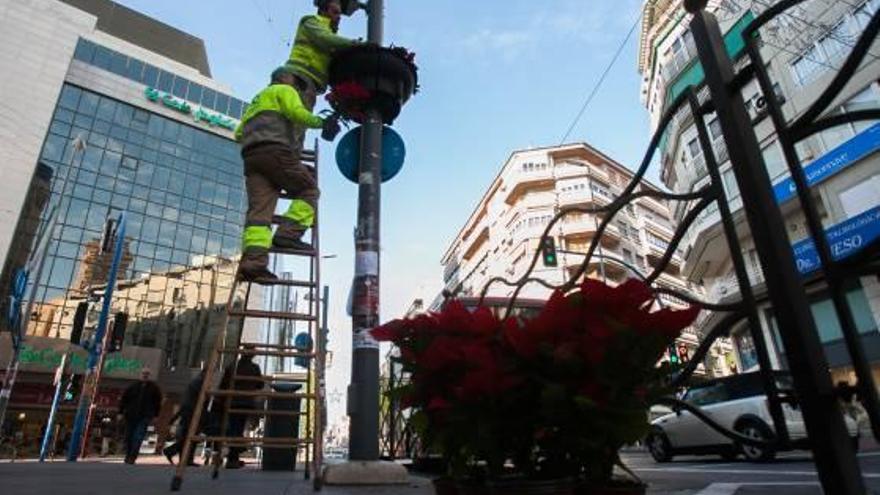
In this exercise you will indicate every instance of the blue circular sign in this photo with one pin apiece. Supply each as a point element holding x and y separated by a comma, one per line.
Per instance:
<point>348,154</point>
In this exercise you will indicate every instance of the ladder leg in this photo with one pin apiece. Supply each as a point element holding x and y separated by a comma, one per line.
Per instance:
<point>227,402</point>
<point>196,419</point>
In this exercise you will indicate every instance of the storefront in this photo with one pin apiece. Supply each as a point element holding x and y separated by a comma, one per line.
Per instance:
<point>34,390</point>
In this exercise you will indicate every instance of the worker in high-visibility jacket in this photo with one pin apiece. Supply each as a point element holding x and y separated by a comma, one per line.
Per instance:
<point>314,45</point>
<point>270,166</point>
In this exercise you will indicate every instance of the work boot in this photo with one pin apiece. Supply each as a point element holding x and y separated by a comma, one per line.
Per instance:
<point>290,243</point>
<point>290,237</point>
<point>254,265</point>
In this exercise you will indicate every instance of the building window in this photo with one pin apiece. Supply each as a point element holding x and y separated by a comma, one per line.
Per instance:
<point>774,160</point>
<point>832,48</point>
<point>731,188</point>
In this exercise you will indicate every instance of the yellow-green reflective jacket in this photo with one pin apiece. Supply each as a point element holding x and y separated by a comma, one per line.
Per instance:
<point>272,116</point>
<point>313,48</point>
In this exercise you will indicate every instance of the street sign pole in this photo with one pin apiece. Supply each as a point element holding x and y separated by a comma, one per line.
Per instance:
<point>60,373</point>
<point>96,350</point>
<point>363,393</point>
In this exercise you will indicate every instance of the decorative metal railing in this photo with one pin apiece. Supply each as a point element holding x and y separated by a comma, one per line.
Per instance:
<point>813,390</point>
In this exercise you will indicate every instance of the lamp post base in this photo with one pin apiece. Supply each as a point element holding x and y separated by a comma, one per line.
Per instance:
<point>365,473</point>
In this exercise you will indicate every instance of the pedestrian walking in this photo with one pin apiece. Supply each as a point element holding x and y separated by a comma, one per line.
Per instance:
<point>140,403</point>
<point>266,136</point>
<point>184,416</point>
<point>248,377</point>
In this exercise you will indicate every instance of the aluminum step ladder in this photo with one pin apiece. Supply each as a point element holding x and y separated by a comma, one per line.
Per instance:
<point>311,396</point>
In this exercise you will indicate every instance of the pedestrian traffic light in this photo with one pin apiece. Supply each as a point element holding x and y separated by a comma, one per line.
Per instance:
<point>673,355</point>
<point>74,385</point>
<point>79,321</point>
<point>118,337</point>
<point>548,251</point>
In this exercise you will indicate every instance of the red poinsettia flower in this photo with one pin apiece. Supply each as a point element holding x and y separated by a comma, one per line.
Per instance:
<point>438,403</point>
<point>348,91</point>
<point>442,352</point>
<point>393,331</point>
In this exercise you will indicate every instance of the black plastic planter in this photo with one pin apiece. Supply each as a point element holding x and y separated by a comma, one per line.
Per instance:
<point>386,73</point>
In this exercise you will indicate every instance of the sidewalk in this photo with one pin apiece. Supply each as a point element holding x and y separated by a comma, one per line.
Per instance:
<point>152,475</point>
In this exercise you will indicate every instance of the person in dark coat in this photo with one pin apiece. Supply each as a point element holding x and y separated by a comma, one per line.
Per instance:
<point>185,414</point>
<point>140,403</point>
<point>245,368</point>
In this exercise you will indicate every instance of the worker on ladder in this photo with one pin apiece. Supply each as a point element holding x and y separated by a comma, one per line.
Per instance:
<point>272,164</point>
<point>314,45</point>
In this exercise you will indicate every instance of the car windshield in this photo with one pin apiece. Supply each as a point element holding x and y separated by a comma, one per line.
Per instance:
<point>707,394</point>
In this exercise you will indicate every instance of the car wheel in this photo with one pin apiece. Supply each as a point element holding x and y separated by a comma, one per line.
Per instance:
<point>758,431</point>
<point>658,446</point>
<point>730,455</point>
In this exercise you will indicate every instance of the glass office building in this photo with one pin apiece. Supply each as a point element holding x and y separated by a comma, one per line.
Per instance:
<point>182,190</point>
<point>125,118</point>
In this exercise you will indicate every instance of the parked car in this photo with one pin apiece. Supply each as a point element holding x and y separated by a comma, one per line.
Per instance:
<point>738,403</point>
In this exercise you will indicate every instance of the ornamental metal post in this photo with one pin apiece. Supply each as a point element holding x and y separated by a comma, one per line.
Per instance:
<point>96,349</point>
<point>363,393</point>
<point>832,450</point>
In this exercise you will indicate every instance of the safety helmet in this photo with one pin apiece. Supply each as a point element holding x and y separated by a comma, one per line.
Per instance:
<point>280,71</point>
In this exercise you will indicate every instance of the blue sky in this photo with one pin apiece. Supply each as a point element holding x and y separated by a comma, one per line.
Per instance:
<point>496,76</point>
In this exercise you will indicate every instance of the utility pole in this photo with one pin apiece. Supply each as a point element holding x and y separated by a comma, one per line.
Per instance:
<point>363,393</point>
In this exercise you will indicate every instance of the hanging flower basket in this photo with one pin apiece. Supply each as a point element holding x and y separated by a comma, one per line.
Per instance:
<point>555,396</point>
<point>385,78</point>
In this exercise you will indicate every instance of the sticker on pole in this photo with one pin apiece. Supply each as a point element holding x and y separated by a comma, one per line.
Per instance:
<point>363,339</point>
<point>348,154</point>
<point>366,264</point>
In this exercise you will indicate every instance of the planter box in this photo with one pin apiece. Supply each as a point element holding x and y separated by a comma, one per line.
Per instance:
<point>390,78</point>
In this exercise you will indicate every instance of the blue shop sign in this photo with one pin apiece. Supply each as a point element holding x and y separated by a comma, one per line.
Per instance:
<point>845,239</point>
<point>829,164</point>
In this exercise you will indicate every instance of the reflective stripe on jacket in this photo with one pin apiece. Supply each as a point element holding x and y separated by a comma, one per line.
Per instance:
<point>313,47</point>
<point>272,116</point>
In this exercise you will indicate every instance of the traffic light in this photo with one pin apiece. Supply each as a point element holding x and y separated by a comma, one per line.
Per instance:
<point>119,324</point>
<point>74,385</point>
<point>79,321</point>
<point>548,251</point>
<point>673,355</point>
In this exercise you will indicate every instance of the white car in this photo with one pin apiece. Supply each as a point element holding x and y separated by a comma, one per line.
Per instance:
<point>738,403</point>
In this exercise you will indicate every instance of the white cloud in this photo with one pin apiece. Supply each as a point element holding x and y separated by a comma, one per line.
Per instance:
<point>578,23</point>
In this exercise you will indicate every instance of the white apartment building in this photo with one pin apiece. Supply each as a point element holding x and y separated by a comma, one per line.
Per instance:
<point>501,235</point>
<point>803,48</point>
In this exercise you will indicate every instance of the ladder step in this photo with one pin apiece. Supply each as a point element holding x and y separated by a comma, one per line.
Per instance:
<point>260,345</point>
<point>285,283</point>
<point>259,393</point>
<point>268,352</point>
<point>264,412</point>
<point>253,440</point>
<point>279,315</point>
<point>293,252</point>
<point>268,379</point>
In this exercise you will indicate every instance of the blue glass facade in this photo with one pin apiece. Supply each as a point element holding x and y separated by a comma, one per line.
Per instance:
<point>149,75</point>
<point>184,193</point>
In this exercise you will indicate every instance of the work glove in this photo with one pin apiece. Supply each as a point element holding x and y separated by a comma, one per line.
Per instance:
<point>330,128</point>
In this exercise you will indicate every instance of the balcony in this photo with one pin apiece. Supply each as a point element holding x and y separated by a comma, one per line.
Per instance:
<point>478,242</point>
<point>582,231</point>
<point>520,181</point>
